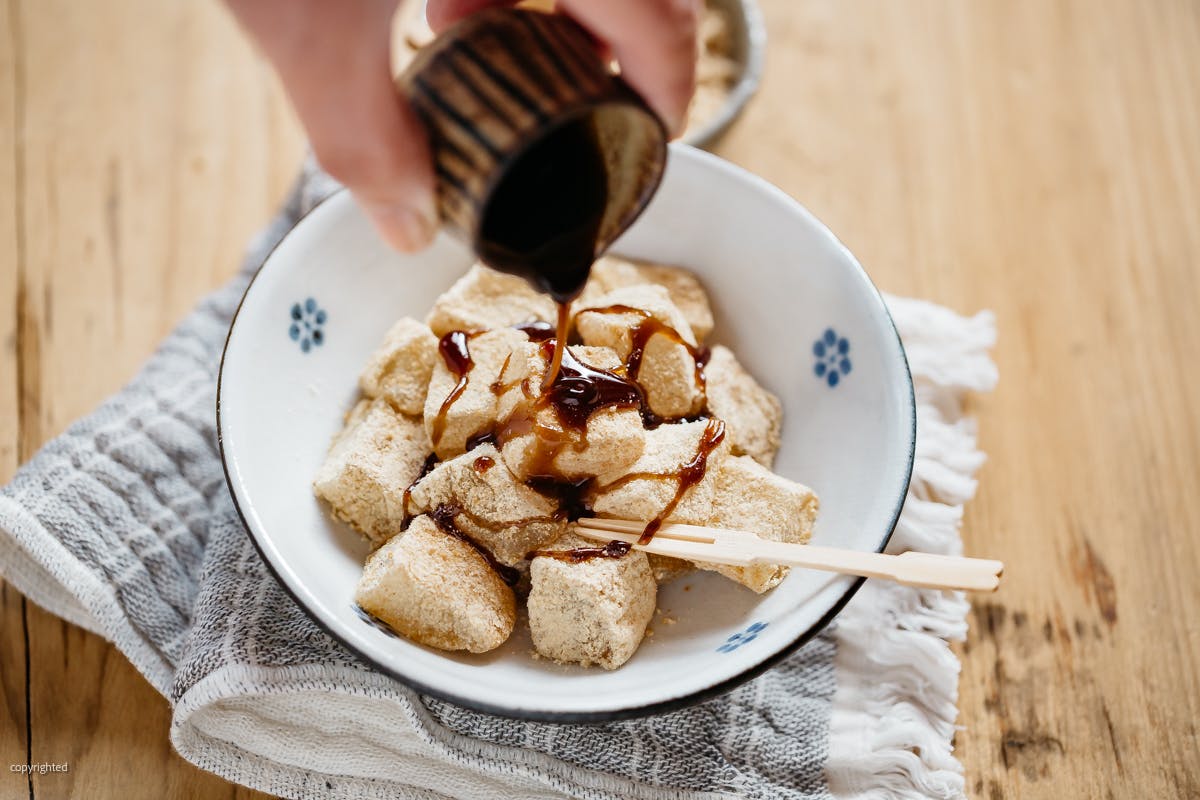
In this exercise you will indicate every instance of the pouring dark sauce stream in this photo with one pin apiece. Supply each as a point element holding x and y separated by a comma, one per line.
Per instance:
<point>560,345</point>
<point>543,219</point>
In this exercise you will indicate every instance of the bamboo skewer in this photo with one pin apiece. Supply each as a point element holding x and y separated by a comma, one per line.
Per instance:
<point>696,543</point>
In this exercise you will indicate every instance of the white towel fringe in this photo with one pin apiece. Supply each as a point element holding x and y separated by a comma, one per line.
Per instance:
<point>893,715</point>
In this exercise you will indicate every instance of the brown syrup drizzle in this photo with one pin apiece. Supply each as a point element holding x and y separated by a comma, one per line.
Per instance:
<point>457,357</point>
<point>548,443</point>
<point>536,330</point>
<point>484,463</point>
<point>456,354</point>
<point>444,515</point>
<point>486,437</point>
<point>578,555</point>
<point>570,495</point>
<point>689,474</point>
<point>640,335</point>
<point>498,386</point>
<point>514,523</point>
<point>579,390</point>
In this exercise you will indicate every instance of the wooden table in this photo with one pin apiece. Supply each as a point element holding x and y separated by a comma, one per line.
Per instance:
<point>1037,157</point>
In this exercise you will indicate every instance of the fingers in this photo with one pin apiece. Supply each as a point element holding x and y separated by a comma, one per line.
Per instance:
<point>333,60</point>
<point>441,14</point>
<point>654,41</point>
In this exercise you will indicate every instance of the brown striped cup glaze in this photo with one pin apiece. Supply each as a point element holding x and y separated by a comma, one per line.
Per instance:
<point>497,83</point>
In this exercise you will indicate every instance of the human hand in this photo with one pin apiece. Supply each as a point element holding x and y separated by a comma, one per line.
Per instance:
<point>654,41</point>
<point>335,63</point>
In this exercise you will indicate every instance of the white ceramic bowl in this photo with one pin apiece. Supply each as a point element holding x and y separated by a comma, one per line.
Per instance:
<point>789,299</point>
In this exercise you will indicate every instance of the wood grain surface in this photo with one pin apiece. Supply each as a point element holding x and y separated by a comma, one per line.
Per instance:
<point>1037,157</point>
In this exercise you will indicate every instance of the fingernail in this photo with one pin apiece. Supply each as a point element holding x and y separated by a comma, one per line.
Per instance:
<point>404,228</point>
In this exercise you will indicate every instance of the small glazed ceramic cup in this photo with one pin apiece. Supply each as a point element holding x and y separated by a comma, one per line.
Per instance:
<point>500,82</point>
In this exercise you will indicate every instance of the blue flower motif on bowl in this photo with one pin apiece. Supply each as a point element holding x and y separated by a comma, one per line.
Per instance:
<point>832,353</point>
<point>745,637</point>
<point>307,324</point>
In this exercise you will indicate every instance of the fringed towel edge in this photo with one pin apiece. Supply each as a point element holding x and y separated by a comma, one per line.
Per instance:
<point>893,720</point>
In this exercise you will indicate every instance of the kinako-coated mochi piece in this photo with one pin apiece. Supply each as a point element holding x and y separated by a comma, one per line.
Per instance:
<point>750,497</point>
<point>684,288</point>
<point>686,293</point>
<point>484,299</point>
<point>370,463</point>
<point>401,366</point>
<point>613,436</point>
<point>614,329</point>
<point>473,411</point>
<point>493,507</point>
<point>535,440</point>
<point>667,372</point>
<point>437,590</point>
<point>591,612</point>
<point>643,490</point>
<point>667,449</point>
<point>608,272</point>
<point>752,415</point>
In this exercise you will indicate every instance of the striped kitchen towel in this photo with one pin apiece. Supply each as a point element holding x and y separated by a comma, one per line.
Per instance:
<point>124,525</point>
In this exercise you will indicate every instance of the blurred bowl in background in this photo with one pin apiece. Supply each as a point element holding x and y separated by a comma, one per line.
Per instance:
<point>728,77</point>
